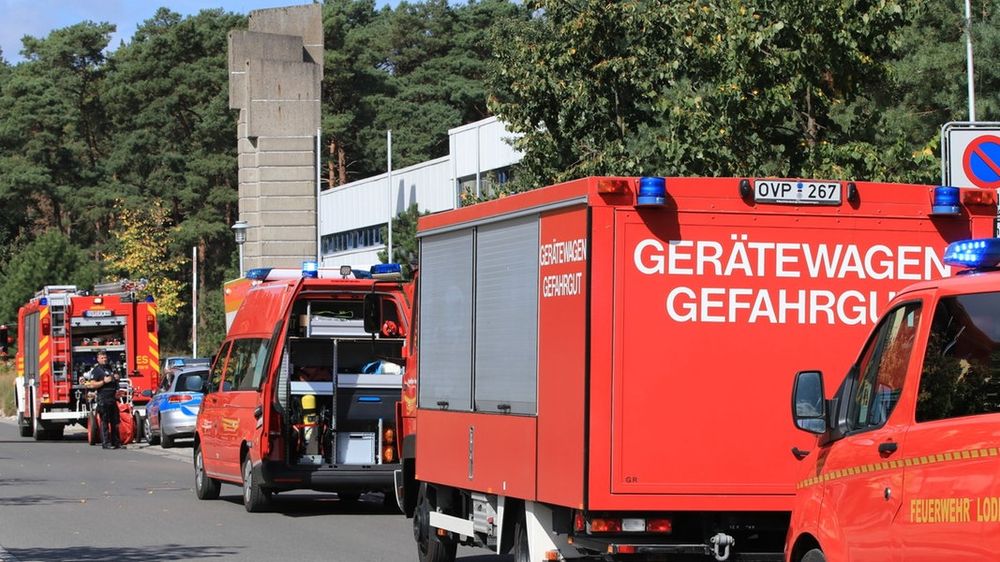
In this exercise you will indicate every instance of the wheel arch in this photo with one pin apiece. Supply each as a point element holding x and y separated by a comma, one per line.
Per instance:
<point>803,544</point>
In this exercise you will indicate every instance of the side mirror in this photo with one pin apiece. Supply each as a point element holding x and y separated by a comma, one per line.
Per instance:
<point>193,383</point>
<point>373,313</point>
<point>809,402</point>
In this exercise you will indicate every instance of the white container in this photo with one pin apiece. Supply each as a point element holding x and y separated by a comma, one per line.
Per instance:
<point>356,448</point>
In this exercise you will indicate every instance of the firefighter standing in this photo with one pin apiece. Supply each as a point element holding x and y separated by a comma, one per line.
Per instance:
<point>106,385</point>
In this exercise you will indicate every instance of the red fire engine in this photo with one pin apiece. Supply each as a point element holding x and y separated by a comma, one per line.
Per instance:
<point>60,331</point>
<point>598,363</point>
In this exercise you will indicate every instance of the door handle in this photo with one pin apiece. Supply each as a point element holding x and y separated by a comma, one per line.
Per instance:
<point>800,453</point>
<point>258,412</point>
<point>887,448</point>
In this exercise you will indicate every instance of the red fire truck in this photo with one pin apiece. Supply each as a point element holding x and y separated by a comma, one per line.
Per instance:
<point>60,331</point>
<point>599,363</point>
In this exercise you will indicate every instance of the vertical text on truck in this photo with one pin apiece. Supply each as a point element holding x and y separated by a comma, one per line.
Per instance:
<point>596,361</point>
<point>60,330</point>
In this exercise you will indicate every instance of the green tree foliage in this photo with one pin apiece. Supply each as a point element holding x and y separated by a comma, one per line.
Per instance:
<point>404,240</point>
<point>51,259</point>
<point>707,87</point>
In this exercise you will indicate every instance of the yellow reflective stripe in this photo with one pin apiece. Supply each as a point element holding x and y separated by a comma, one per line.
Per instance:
<point>43,312</point>
<point>152,338</point>
<point>949,456</point>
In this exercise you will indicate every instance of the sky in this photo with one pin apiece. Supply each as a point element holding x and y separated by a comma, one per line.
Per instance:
<point>38,17</point>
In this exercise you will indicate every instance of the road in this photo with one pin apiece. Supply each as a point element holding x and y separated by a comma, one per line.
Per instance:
<point>65,500</point>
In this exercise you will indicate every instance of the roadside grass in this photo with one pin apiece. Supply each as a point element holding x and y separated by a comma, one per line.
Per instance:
<point>7,374</point>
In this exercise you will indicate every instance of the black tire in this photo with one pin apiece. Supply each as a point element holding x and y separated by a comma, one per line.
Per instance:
<point>520,550</point>
<point>93,430</point>
<point>151,437</point>
<point>23,425</point>
<point>430,547</point>
<point>166,441</point>
<point>814,555</point>
<point>205,487</point>
<point>140,427</point>
<point>255,498</point>
<point>38,430</point>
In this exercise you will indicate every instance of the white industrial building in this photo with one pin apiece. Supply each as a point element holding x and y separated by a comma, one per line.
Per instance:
<point>351,216</point>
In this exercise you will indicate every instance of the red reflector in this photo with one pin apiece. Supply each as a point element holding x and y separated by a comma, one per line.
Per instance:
<point>603,525</point>
<point>150,324</point>
<point>578,522</point>
<point>179,398</point>
<point>626,549</point>
<point>659,526</point>
<point>612,186</point>
<point>46,327</point>
<point>979,197</point>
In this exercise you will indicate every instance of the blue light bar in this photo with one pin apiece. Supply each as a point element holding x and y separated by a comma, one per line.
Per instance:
<point>149,298</point>
<point>43,301</point>
<point>652,192</point>
<point>310,269</point>
<point>391,271</point>
<point>978,253</point>
<point>258,273</point>
<point>945,201</point>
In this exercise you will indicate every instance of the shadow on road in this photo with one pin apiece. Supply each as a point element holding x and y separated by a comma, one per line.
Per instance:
<point>20,481</point>
<point>485,558</point>
<point>317,504</point>
<point>35,501</point>
<point>143,553</point>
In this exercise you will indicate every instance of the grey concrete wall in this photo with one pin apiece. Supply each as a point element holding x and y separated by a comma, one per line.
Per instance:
<point>275,72</point>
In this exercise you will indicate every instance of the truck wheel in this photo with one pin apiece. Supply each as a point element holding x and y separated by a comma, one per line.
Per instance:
<point>23,425</point>
<point>205,487</point>
<point>430,547</point>
<point>814,555</point>
<point>255,498</point>
<point>39,430</point>
<point>140,427</point>
<point>93,431</point>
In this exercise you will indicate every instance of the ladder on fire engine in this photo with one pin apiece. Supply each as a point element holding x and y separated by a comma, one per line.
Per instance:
<point>58,298</point>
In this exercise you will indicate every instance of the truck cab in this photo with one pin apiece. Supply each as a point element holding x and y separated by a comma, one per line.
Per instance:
<point>906,466</point>
<point>303,391</point>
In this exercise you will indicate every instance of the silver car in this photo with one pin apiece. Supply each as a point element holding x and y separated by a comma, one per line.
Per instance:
<point>173,410</point>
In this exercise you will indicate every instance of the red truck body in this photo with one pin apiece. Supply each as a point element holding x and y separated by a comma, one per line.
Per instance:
<point>602,363</point>
<point>60,331</point>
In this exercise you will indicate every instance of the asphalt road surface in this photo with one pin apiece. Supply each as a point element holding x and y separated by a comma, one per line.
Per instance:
<point>65,500</point>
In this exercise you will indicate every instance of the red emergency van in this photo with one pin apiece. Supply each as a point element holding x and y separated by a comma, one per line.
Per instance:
<point>303,392</point>
<point>907,465</point>
<point>600,361</point>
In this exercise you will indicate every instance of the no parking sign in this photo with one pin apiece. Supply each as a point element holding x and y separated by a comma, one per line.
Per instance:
<point>970,155</point>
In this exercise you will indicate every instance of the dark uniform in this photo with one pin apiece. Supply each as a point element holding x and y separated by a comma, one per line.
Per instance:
<point>107,407</point>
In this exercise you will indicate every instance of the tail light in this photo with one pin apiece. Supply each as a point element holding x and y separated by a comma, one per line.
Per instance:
<point>612,186</point>
<point>176,398</point>
<point>388,453</point>
<point>150,324</point>
<point>46,326</point>
<point>980,197</point>
<point>605,525</point>
<point>579,523</point>
<point>389,435</point>
<point>661,525</point>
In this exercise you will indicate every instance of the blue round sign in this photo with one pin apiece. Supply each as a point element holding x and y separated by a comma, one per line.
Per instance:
<point>981,162</point>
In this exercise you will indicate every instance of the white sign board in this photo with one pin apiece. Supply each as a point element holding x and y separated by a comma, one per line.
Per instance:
<point>971,155</point>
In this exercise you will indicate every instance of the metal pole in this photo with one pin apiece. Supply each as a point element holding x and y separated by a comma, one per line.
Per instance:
<point>241,259</point>
<point>319,252</point>
<point>388,136</point>
<point>194,301</point>
<point>968,56</point>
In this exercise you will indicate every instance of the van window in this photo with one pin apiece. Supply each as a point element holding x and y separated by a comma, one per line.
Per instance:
<point>881,371</point>
<point>248,359</point>
<point>961,372</point>
<point>215,379</point>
